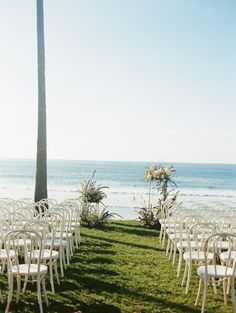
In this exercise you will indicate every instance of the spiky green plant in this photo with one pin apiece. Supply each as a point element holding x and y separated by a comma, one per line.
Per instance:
<point>91,196</point>
<point>90,217</point>
<point>91,192</point>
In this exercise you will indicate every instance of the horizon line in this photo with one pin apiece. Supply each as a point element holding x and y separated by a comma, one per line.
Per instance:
<point>121,161</point>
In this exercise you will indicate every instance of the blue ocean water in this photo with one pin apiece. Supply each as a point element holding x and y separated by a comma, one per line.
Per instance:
<point>127,186</point>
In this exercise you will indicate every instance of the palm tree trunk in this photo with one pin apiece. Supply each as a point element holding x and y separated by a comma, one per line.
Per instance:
<point>41,161</point>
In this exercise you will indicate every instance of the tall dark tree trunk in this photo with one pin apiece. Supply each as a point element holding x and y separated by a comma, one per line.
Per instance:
<point>41,161</point>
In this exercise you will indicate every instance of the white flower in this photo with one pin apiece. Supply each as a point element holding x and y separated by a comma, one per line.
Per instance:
<point>157,173</point>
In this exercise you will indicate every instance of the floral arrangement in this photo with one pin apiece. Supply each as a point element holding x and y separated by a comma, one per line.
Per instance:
<point>162,175</point>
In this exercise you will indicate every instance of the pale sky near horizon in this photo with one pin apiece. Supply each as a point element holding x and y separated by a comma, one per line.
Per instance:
<point>135,80</point>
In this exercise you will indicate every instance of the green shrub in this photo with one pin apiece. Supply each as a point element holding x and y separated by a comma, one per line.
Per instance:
<point>91,196</point>
<point>91,217</point>
<point>91,192</point>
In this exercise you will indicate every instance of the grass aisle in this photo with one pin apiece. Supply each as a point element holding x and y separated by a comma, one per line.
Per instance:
<point>120,268</point>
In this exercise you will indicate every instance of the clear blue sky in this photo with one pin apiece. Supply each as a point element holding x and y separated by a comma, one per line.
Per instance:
<point>150,80</point>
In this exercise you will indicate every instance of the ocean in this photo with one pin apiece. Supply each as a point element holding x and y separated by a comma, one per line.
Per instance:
<point>128,190</point>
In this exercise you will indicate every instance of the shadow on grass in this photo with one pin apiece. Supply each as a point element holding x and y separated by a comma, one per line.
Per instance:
<point>133,225</point>
<point>99,287</point>
<point>100,272</point>
<point>99,308</point>
<point>93,244</point>
<point>132,231</point>
<point>100,260</point>
<point>138,226</point>
<point>70,295</point>
<point>103,252</point>
<point>135,245</point>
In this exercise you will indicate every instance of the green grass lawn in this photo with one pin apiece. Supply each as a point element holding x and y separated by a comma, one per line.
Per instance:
<point>119,268</point>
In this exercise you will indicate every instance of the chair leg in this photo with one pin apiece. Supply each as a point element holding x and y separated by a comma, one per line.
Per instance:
<point>189,277</point>
<point>161,233</point>
<point>204,295</point>
<point>39,296</point>
<point>44,291</point>
<point>25,284</point>
<point>233,294</point>
<point>61,262</point>
<point>51,277</point>
<point>3,266</point>
<point>68,254</point>
<point>228,285</point>
<point>79,236</point>
<point>56,272</point>
<point>64,258</point>
<point>10,294</point>
<point>168,247</point>
<point>163,239</point>
<point>225,290</point>
<point>171,250</point>
<point>174,253</point>
<point>18,281</point>
<point>185,274</point>
<point>71,247</point>
<point>214,285</point>
<point>180,263</point>
<point>199,291</point>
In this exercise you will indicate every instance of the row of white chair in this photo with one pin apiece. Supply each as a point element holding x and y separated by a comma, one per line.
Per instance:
<point>202,236</point>
<point>44,233</point>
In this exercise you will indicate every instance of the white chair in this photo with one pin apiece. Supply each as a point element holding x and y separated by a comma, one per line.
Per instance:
<point>66,234</point>
<point>181,244</point>
<point>24,268</point>
<point>4,228</point>
<point>49,256</point>
<point>56,220</point>
<point>216,272</point>
<point>194,253</point>
<point>74,208</point>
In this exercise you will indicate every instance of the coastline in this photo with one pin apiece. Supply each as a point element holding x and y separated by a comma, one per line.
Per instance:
<point>128,189</point>
<point>124,201</point>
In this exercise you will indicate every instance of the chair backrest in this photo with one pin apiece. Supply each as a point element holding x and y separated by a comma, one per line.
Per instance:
<point>23,242</point>
<point>41,206</point>
<point>66,213</point>
<point>27,211</point>
<point>56,220</point>
<point>198,233</point>
<point>46,231</point>
<point>14,220</point>
<point>42,227</point>
<point>214,244</point>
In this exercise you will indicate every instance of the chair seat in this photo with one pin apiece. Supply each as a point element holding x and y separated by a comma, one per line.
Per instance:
<point>26,269</point>
<point>224,245</point>
<point>46,254</point>
<point>197,256</point>
<point>64,235</point>
<point>56,243</point>
<point>215,271</point>
<point>225,256</point>
<point>177,236</point>
<point>20,242</point>
<point>184,244</point>
<point>3,254</point>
